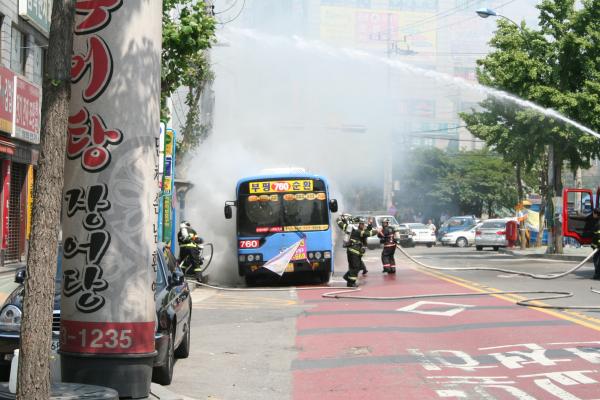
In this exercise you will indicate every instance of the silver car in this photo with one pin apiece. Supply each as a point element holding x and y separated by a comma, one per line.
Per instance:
<point>491,233</point>
<point>374,242</point>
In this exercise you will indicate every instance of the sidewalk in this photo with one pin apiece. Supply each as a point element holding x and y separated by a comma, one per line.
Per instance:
<point>9,269</point>
<point>569,253</point>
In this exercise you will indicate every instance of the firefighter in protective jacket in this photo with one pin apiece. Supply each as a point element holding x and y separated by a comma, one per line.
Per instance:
<point>390,238</point>
<point>189,250</point>
<point>355,241</point>
<point>343,222</point>
<point>593,225</point>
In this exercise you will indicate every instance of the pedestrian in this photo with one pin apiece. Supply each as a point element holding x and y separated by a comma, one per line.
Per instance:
<point>355,240</point>
<point>189,250</point>
<point>390,239</point>
<point>444,217</point>
<point>431,226</point>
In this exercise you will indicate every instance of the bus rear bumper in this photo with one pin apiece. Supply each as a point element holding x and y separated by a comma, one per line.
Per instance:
<point>321,266</point>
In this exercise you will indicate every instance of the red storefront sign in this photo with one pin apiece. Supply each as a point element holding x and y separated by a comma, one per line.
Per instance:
<point>7,147</point>
<point>7,94</point>
<point>26,121</point>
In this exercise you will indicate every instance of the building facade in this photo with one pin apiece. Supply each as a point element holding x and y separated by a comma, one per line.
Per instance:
<point>24,26</point>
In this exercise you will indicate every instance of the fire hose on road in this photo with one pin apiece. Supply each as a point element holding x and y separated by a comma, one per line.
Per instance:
<point>527,302</point>
<point>346,293</point>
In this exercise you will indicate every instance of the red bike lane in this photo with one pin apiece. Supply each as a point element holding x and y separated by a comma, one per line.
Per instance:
<point>482,347</point>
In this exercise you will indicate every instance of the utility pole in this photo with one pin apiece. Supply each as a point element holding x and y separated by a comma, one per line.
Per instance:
<point>555,228</point>
<point>388,167</point>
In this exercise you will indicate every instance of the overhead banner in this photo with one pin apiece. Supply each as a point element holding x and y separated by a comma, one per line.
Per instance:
<point>109,268</point>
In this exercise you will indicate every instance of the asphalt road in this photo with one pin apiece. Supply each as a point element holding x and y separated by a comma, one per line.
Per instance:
<point>295,344</point>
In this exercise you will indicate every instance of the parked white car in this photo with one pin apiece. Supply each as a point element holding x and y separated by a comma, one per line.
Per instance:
<point>420,233</point>
<point>462,238</point>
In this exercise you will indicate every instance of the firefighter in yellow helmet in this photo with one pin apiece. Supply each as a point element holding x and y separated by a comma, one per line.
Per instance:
<point>389,239</point>
<point>190,250</point>
<point>355,241</point>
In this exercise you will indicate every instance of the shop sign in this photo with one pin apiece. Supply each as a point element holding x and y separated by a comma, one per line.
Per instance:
<point>27,111</point>
<point>38,13</point>
<point>7,94</point>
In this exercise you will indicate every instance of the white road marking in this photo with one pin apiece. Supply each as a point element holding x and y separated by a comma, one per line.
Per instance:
<point>452,310</point>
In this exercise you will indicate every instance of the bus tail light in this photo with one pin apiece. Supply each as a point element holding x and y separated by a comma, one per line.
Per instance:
<point>327,254</point>
<point>249,257</point>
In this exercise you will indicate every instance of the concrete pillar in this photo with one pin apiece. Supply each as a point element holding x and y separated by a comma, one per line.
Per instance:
<point>108,311</point>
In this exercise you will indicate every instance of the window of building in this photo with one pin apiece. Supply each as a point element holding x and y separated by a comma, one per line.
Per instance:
<point>39,54</point>
<point>17,56</point>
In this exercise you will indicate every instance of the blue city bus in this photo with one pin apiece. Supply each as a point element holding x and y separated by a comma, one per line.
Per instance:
<point>277,211</point>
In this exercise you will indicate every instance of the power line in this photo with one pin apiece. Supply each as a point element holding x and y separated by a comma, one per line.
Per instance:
<point>441,15</point>
<point>238,14</point>
<point>439,130</point>
<point>227,9</point>
<point>456,23</point>
<point>431,19</point>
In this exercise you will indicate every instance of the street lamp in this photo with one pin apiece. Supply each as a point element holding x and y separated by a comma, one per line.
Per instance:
<point>488,12</point>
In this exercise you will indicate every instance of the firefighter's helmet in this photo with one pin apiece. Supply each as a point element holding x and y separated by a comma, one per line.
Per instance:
<point>185,224</point>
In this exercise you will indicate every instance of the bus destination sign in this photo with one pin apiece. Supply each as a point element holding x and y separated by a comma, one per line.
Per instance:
<point>281,186</point>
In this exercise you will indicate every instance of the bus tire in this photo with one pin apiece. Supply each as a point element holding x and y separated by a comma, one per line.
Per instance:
<point>250,280</point>
<point>324,276</point>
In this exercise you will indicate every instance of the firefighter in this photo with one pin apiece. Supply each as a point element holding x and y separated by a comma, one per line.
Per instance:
<point>189,250</point>
<point>355,240</point>
<point>343,222</point>
<point>389,237</point>
<point>593,224</point>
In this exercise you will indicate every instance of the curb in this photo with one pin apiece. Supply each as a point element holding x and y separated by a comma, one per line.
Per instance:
<point>564,257</point>
<point>162,393</point>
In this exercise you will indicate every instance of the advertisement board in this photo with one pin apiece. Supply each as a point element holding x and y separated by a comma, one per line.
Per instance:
<point>168,186</point>
<point>27,111</point>
<point>376,28</point>
<point>38,13</point>
<point>7,94</point>
<point>110,257</point>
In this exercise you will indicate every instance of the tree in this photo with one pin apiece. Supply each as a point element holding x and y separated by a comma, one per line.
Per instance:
<point>469,182</point>
<point>185,37</point>
<point>556,67</point>
<point>36,337</point>
<point>198,79</point>
<point>514,133</point>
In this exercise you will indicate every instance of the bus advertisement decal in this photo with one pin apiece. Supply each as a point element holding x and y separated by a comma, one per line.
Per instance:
<point>300,253</point>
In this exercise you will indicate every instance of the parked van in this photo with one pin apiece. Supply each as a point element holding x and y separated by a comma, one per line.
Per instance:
<point>458,223</point>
